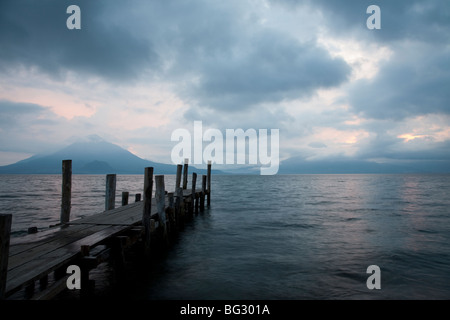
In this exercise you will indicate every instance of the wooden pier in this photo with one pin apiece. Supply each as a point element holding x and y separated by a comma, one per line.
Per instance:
<point>35,266</point>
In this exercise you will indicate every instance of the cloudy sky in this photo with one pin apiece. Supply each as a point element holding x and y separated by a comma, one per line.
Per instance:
<point>138,70</point>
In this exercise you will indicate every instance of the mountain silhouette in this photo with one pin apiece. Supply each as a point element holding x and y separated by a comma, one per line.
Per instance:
<point>92,155</point>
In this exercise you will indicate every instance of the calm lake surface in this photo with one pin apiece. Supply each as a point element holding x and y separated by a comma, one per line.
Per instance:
<point>277,237</point>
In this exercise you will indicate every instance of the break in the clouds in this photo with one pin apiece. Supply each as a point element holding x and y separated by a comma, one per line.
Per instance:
<point>137,70</point>
<point>414,80</point>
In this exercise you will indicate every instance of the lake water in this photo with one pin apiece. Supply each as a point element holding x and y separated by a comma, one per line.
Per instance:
<point>278,237</point>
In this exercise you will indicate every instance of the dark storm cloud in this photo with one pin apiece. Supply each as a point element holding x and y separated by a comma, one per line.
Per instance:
<point>34,34</point>
<point>414,82</point>
<point>11,112</point>
<point>27,127</point>
<point>223,59</point>
<point>274,68</point>
<point>423,20</point>
<point>215,53</point>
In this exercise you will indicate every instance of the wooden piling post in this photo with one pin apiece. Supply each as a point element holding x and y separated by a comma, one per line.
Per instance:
<point>86,264</point>
<point>118,258</point>
<point>110,196</point>
<point>194,180</point>
<point>171,200</point>
<point>202,199</point>
<point>171,214</point>
<point>137,197</point>
<point>185,173</point>
<point>177,195</point>
<point>160,198</point>
<point>208,192</point>
<point>125,195</point>
<point>178,176</point>
<point>43,282</point>
<point>32,230</point>
<point>179,208</point>
<point>66,191</point>
<point>147,211</point>
<point>5,234</point>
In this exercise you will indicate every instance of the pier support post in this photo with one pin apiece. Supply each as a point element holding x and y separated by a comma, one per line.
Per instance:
<point>137,197</point>
<point>110,196</point>
<point>202,199</point>
<point>185,173</point>
<point>179,208</point>
<point>5,234</point>
<point>147,208</point>
<point>160,195</point>
<point>208,192</point>
<point>125,195</point>
<point>66,191</point>
<point>118,258</point>
<point>160,198</point>
<point>178,176</point>
<point>170,211</point>
<point>194,181</point>
<point>178,195</point>
<point>86,264</point>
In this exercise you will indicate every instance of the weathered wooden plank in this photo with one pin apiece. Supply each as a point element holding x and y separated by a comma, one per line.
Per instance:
<point>63,240</point>
<point>46,263</point>
<point>27,242</point>
<point>130,214</point>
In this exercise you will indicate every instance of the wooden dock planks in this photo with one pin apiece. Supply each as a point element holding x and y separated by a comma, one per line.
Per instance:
<point>35,256</point>
<point>48,258</point>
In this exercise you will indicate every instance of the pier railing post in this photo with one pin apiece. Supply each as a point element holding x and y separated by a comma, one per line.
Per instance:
<point>185,173</point>
<point>5,234</point>
<point>147,208</point>
<point>179,208</point>
<point>160,198</point>
<point>171,214</point>
<point>178,176</point>
<point>208,192</point>
<point>194,181</point>
<point>66,191</point>
<point>137,197</point>
<point>125,195</point>
<point>110,196</point>
<point>202,199</point>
